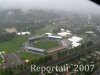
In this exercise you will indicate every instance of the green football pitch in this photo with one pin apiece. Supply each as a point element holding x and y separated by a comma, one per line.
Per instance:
<point>46,44</point>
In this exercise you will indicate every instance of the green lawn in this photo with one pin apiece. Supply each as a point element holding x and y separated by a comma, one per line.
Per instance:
<point>13,45</point>
<point>47,28</point>
<point>30,56</point>
<point>46,44</point>
<point>1,60</point>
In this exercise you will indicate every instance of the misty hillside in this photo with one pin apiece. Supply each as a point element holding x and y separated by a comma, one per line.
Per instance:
<point>17,15</point>
<point>35,18</point>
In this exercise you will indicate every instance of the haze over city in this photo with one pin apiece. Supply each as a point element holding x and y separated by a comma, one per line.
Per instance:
<point>66,5</point>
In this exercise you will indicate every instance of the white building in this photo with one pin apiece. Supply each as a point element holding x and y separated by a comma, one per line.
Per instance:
<point>49,34</point>
<point>68,31</point>
<point>23,33</point>
<point>64,33</point>
<point>62,30</point>
<point>75,44</point>
<point>75,41</point>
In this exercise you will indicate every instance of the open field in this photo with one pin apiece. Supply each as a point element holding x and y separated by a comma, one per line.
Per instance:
<point>1,60</point>
<point>47,28</point>
<point>46,44</point>
<point>13,45</point>
<point>29,56</point>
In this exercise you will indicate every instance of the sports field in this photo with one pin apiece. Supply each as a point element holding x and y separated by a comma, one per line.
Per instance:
<point>13,45</point>
<point>46,44</point>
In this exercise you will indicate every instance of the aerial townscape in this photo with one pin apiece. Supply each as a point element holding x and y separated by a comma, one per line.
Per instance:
<point>50,39</point>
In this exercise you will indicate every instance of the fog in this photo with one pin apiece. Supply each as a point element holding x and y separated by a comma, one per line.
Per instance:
<point>67,5</point>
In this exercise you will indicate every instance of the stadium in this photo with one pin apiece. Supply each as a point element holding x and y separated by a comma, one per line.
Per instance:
<point>49,43</point>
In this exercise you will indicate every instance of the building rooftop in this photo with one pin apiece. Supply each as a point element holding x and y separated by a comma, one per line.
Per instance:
<point>35,49</point>
<point>23,33</point>
<point>56,37</point>
<point>75,44</point>
<point>36,37</point>
<point>75,39</point>
<point>97,52</point>
<point>64,33</point>
<point>10,30</point>
<point>49,34</point>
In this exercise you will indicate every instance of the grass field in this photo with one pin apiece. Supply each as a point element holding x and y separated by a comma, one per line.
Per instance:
<point>1,60</point>
<point>13,45</point>
<point>30,56</point>
<point>46,44</point>
<point>47,28</point>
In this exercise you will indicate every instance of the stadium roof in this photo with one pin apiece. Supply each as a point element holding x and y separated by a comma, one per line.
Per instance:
<point>35,49</point>
<point>56,37</point>
<point>36,37</point>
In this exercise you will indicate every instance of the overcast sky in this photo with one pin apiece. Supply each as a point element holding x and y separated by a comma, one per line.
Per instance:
<point>69,5</point>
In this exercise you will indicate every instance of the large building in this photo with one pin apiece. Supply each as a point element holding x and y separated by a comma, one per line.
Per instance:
<point>35,50</point>
<point>10,30</point>
<point>64,33</point>
<point>23,33</point>
<point>75,41</point>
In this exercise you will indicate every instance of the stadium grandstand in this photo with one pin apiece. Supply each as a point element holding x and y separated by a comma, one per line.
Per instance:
<point>35,50</point>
